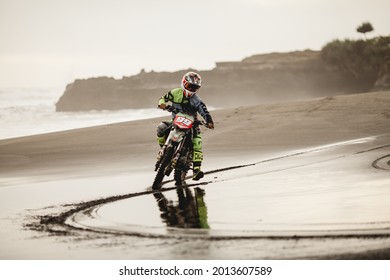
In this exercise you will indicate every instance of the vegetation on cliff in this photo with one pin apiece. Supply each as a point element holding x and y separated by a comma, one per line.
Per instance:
<point>368,61</point>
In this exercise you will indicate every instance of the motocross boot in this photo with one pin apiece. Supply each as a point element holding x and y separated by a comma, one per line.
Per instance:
<point>198,173</point>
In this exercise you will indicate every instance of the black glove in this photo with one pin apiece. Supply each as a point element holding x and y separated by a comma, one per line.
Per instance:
<point>208,119</point>
<point>209,122</point>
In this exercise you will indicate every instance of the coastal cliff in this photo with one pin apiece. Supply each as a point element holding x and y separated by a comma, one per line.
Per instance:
<point>257,79</point>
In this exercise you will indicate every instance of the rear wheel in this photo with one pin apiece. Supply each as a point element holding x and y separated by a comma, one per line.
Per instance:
<point>180,176</point>
<point>163,166</point>
<point>182,167</point>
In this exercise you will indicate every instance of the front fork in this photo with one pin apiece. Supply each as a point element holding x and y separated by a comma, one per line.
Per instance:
<point>178,147</point>
<point>176,155</point>
<point>175,158</point>
<point>161,152</point>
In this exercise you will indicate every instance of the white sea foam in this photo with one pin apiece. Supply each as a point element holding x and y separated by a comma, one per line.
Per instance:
<point>26,112</point>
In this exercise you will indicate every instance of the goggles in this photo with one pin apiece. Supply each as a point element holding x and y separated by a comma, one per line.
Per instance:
<point>191,87</point>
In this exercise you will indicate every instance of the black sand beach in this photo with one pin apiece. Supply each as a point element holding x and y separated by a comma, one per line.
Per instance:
<point>297,180</point>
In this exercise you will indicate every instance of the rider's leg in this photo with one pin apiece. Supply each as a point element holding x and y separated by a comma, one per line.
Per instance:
<point>162,130</point>
<point>197,157</point>
<point>161,140</point>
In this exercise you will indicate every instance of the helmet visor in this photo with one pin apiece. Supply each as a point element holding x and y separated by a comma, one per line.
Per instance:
<point>191,87</point>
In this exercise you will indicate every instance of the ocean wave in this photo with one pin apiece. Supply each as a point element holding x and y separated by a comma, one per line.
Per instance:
<point>25,112</point>
<point>20,121</point>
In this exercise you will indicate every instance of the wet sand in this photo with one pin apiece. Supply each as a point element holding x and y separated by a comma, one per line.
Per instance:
<point>311,181</point>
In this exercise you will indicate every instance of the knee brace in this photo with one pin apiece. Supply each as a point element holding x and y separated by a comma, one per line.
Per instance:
<point>162,131</point>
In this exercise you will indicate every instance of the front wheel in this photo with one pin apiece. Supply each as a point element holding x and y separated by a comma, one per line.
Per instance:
<point>163,166</point>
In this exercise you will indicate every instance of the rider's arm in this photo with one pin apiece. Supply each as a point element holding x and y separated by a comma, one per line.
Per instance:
<point>164,99</point>
<point>203,111</point>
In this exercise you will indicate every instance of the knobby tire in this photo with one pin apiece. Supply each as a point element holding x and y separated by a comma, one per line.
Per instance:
<point>179,177</point>
<point>161,170</point>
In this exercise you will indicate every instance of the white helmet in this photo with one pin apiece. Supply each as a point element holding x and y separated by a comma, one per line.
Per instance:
<point>191,83</point>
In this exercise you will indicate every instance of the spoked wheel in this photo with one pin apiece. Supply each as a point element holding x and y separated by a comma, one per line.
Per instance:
<point>162,169</point>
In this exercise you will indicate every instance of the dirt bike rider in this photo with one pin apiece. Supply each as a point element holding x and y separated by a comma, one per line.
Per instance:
<point>184,99</point>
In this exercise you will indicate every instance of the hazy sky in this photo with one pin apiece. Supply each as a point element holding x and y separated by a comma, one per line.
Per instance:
<point>52,42</point>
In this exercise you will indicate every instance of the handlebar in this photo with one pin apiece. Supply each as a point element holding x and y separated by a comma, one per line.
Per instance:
<point>169,108</point>
<point>172,109</point>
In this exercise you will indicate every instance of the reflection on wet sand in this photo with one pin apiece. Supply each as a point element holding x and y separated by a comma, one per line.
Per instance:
<point>189,211</point>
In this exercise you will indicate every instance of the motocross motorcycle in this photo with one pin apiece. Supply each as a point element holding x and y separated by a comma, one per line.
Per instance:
<point>176,154</point>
